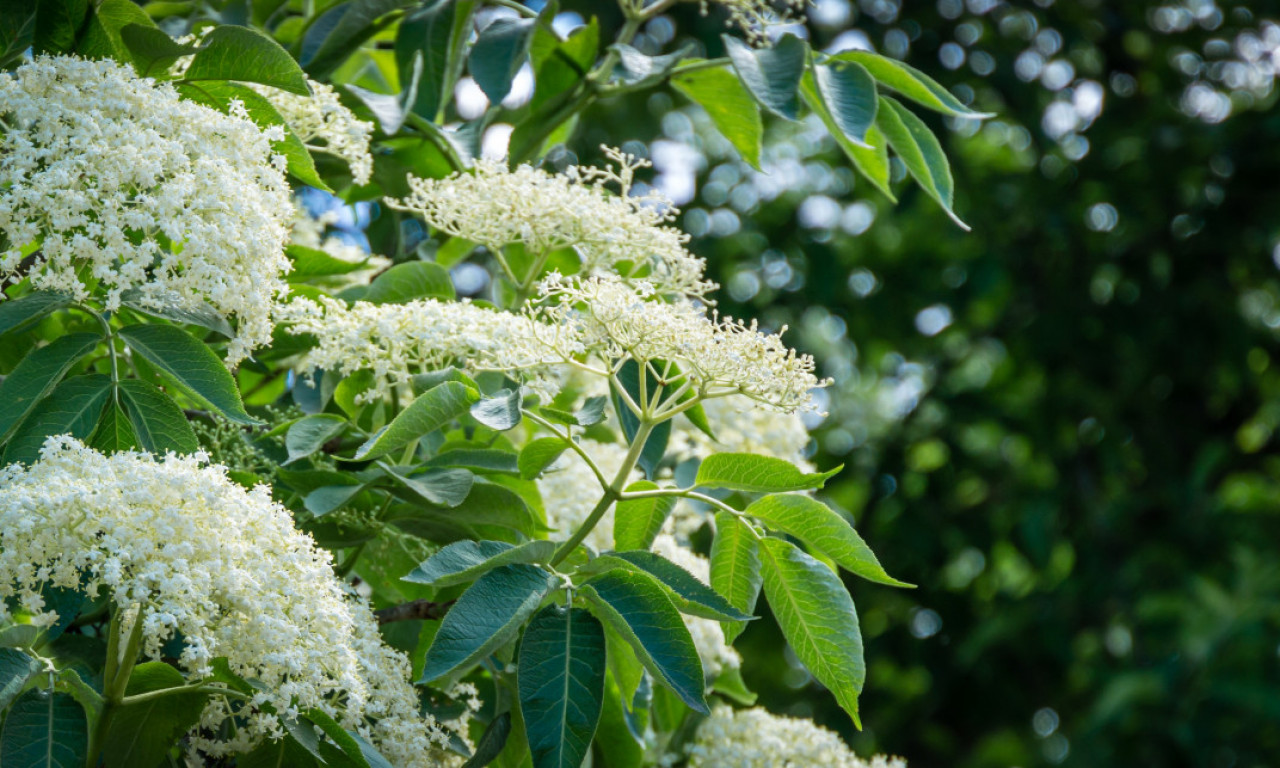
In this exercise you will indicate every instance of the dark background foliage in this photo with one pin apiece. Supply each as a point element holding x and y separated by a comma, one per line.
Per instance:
<point>1086,491</point>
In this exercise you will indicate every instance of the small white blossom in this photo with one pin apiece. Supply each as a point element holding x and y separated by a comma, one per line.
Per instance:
<point>321,117</point>
<point>754,17</point>
<point>119,184</point>
<point>755,738</point>
<point>183,549</point>
<point>619,233</point>
<point>708,635</point>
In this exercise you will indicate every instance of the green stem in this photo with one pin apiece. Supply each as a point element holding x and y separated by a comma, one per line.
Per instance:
<point>436,136</point>
<point>115,679</point>
<point>200,687</point>
<point>568,439</point>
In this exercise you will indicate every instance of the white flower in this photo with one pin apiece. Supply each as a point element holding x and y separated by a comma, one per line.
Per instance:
<point>754,17</point>
<point>396,341</point>
<point>754,738</point>
<point>321,117</point>
<point>612,233</point>
<point>570,491</point>
<point>716,357</point>
<point>708,635</point>
<point>312,232</point>
<point>119,185</point>
<point>182,548</point>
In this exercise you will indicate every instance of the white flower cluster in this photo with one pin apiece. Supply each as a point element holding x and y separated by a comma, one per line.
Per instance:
<point>312,232</point>
<point>612,233</point>
<point>570,490</point>
<point>120,184</point>
<point>396,341</point>
<point>321,117</point>
<point>754,17</point>
<point>188,552</point>
<point>755,738</point>
<point>708,636</point>
<point>719,357</point>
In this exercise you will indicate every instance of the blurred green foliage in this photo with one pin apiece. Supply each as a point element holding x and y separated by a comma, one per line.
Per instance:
<point>1060,425</point>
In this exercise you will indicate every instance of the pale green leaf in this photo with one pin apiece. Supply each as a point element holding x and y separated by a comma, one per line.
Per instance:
<point>762,474</point>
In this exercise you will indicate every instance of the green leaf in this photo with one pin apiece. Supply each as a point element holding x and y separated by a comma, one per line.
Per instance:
<point>438,31</point>
<point>920,152</point>
<point>729,105</point>
<point>731,685</point>
<point>591,413</point>
<point>491,741</point>
<point>771,74</point>
<point>757,474</point>
<point>464,561</point>
<point>73,409</point>
<point>281,753</point>
<point>204,315</point>
<point>57,24</point>
<point>486,505</point>
<point>687,593</point>
<point>560,65</point>
<point>636,607</point>
<point>427,413</point>
<point>17,31</point>
<point>309,434</point>
<point>340,31</point>
<point>500,412</point>
<point>114,434</point>
<point>910,82</point>
<point>140,735</point>
<point>817,617</point>
<point>640,69</point>
<point>446,487</point>
<point>38,373</point>
<point>480,460</point>
<point>191,365</point>
<point>638,521</point>
<point>538,455</point>
<point>818,526</point>
<point>101,38</point>
<point>16,314</point>
<point>735,568</point>
<point>485,617</point>
<point>16,668</point>
<point>44,730</point>
<point>849,96</point>
<point>346,741</point>
<point>152,50</point>
<point>561,683</point>
<point>498,53</point>
<point>157,421</point>
<point>309,263</point>
<point>616,736</point>
<point>655,448</point>
<point>244,54</point>
<point>328,498</point>
<point>871,159</point>
<point>414,280</point>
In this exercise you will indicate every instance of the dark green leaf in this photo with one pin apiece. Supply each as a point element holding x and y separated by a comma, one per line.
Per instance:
<point>817,617</point>
<point>328,498</point>
<point>36,376</point>
<point>438,31</point>
<point>204,315</point>
<point>640,69</point>
<point>620,735</point>
<point>114,432</point>
<point>414,280</point>
<point>140,735</point>
<point>463,561</point>
<point>771,74</point>
<point>560,65</point>
<point>17,31</point>
<point>687,593</point>
<point>729,105</point>
<point>340,31</point>
<point>750,472</point>
<point>656,446</point>
<point>485,617</point>
<point>16,668</point>
<point>498,53</point>
<point>309,434</point>
<point>500,412</point>
<point>153,51</point>
<point>637,521</point>
<point>849,96</point>
<point>735,568</point>
<point>591,412</point>
<point>492,741</point>
<point>871,158</point>
<point>540,454</point>
<point>561,684</point>
<point>19,313</point>
<point>910,82</point>
<point>101,37</point>
<point>446,487</point>
<point>486,505</point>
<point>920,152</point>
<point>191,364</point>
<point>281,753</point>
<point>157,421</point>
<point>430,411</point>
<point>346,741</point>
<point>57,24</point>
<point>244,54</point>
<point>635,606</point>
<point>73,409</point>
<point>818,526</point>
<point>481,460</point>
<point>44,730</point>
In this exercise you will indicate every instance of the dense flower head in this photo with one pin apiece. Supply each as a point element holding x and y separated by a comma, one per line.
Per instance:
<point>754,17</point>
<point>177,545</point>
<point>321,117</point>
<point>755,738</point>
<point>718,356</point>
<point>396,341</point>
<point>116,182</point>
<point>622,233</point>
<point>708,636</point>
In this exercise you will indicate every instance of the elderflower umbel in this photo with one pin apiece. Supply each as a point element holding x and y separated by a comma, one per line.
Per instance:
<point>708,636</point>
<point>612,233</point>
<point>110,180</point>
<point>191,554</point>
<point>754,17</point>
<point>716,356</point>
<point>321,117</point>
<point>396,341</point>
<point>755,738</point>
